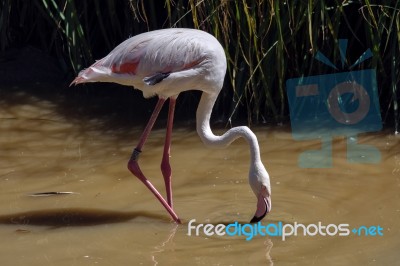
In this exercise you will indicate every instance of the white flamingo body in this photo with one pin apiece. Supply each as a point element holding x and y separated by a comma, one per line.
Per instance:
<point>201,63</point>
<point>165,63</point>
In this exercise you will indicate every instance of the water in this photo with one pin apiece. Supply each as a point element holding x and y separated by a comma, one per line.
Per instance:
<point>109,218</point>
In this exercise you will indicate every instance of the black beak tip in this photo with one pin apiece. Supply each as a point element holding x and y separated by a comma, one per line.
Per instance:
<point>257,219</point>
<point>267,210</point>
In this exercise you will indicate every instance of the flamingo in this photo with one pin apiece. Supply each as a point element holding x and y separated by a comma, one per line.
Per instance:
<point>165,63</point>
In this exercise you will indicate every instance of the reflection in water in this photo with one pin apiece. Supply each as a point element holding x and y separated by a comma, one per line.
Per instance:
<point>162,246</point>
<point>268,243</point>
<point>112,219</point>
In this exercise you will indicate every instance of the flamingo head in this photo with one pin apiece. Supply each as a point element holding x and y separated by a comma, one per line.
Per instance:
<point>260,184</point>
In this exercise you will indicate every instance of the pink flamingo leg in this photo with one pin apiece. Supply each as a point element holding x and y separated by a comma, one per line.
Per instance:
<point>165,165</point>
<point>133,165</point>
<point>150,124</point>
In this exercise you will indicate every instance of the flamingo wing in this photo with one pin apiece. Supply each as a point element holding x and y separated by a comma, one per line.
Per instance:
<point>146,60</point>
<point>121,62</point>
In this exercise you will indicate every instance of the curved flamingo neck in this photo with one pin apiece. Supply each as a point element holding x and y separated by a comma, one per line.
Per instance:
<point>203,115</point>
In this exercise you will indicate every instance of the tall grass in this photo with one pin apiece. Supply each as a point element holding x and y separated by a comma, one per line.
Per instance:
<point>266,41</point>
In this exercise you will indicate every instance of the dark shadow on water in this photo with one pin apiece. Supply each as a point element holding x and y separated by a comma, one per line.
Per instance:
<point>75,217</point>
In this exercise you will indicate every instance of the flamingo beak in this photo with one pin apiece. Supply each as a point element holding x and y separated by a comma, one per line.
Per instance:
<point>263,207</point>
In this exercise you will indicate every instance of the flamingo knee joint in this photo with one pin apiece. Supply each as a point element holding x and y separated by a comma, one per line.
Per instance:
<point>135,155</point>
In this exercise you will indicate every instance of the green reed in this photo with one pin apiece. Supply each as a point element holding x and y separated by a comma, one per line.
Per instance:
<point>266,41</point>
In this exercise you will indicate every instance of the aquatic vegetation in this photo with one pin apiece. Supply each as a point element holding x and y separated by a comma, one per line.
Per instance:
<point>266,42</point>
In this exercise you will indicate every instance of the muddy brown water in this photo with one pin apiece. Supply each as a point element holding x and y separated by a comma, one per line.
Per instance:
<point>111,219</point>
